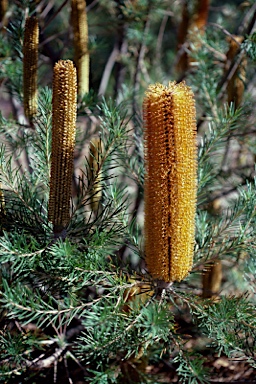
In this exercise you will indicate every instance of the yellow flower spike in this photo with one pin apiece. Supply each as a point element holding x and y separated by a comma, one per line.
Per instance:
<point>30,59</point>
<point>170,180</point>
<point>63,142</point>
<point>80,28</point>
<point>96,148</point>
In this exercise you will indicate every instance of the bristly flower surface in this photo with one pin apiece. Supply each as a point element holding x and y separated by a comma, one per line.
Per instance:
<point>63,142</point>
<point>30,59</point>
<point>96,148</point>
<point>170,181</point>
<point>80,30</point>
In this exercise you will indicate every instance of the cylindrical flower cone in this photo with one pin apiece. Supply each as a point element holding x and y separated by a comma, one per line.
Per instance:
<point>170,180</point>
<point>212,281</point>
<point>235,87</point>
<point>200,16</point>
<point>80,28</point>
<point>64,108</point>
<point>95,163</point>
<point>191,29</point>
<point>30,59</point>
<point>3,9</point>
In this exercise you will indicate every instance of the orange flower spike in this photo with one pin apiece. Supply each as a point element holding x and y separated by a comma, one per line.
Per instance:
<point>199,19</point>
<point>170,180</point>
<point>197,26</point>
<point>63,142</point>
<point>30,59</point>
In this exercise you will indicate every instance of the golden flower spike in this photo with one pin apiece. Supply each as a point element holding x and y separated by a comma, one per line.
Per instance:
<point>30,59</point>
<point>63,143</point>
<point>80,28</point>
<point>96,172</point>
<point>170,180</point>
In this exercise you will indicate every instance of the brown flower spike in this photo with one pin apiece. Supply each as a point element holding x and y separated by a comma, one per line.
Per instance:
<point>95,162</point>
<point>212,280</point>
<point>170,180</point>
<point>3,9</point>
<point>191,29</point>
<point>80,28</point>
<point>30,59</point>
<point>63,142</point>
<point>235,87</point>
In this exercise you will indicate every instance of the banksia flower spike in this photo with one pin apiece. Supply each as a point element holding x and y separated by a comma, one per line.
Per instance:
<point>3,9</point>
<point>191,28</point>
<point>63,142</point>
<point>199,19</point>
<point>170,180</point>
<point>235,87</point>
<point>30,59</point>
<point>212,280</point>
<point>96,172</point>
<point>80,28</point>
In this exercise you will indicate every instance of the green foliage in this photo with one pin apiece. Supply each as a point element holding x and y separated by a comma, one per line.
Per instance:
<point>191,369</point>
<point>230,323</point>
<point>85,300</point>
<point>249,45</point>
<point>212,149</point>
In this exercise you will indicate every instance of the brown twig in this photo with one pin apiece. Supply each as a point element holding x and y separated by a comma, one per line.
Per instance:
<point>160,37</point>
<point>54,15</point>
